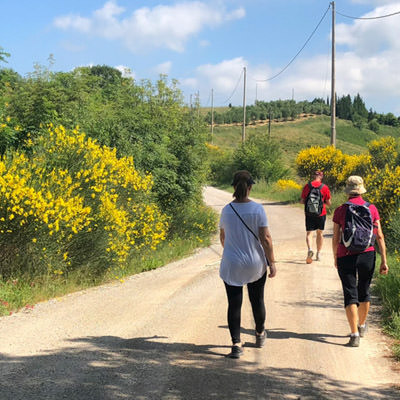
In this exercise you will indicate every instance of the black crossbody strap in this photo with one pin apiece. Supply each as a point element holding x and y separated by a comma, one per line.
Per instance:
<point>244,223</point>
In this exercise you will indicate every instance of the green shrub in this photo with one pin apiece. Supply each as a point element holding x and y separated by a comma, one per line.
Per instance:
<point>220,165</point>
<point>392,231</point>
<point>388,289</point>
<point>261,157</point>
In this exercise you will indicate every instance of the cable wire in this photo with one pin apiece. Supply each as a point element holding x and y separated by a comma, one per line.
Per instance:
<point>381,16</point>
<point>234,90</point>
<point>302,48</point>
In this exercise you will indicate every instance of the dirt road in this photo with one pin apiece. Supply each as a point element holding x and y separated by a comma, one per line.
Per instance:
<point>163,335</point>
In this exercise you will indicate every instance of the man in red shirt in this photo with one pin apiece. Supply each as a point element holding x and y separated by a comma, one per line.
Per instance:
<point>316,223</point>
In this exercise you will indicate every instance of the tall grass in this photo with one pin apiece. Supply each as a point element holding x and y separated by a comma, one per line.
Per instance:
<point>19,292</point>
<point>387,287</point>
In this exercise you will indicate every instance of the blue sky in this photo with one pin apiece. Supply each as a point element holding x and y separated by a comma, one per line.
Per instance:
<point>205,44</point>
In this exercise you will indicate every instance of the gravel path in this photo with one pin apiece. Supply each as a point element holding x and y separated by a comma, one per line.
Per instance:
<point>163,334</point>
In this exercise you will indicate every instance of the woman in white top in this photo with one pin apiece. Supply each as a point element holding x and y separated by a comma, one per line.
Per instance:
<point>247,246</point>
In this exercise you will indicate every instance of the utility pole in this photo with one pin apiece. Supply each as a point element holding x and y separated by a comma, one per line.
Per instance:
<point>333,91</point>
<point>244,106</point>
<point>256,91</point>
<point>269,125</point>
<point>212,115</point>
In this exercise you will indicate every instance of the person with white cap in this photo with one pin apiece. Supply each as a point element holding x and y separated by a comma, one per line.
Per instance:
<point>356,228</point>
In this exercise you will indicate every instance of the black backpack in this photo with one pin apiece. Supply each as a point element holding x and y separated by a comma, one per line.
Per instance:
<point>358,232</point>
<point>314,204</point>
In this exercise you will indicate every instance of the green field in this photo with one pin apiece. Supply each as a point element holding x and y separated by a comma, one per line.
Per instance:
<point>294,136</point>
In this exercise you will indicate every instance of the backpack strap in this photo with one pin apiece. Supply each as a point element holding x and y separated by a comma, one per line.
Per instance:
<point>244,223</point>
<point>366,204</point>
<point>315,187</point>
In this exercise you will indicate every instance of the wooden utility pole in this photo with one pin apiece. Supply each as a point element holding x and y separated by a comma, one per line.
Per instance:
<point>269,125</point>
<point>333,91</point>
<point>244,106</point>
<point>212,115</point>
<point>256,91</point>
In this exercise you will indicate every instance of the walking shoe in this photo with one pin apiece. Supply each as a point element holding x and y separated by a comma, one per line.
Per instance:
<point>354,341</point>
<point>309,256</point>
<point>317,258</point>
<point>236,352</point>
<point>260,339</point>
<point>362,330</point>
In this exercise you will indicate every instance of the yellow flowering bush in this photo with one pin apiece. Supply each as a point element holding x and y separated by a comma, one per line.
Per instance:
<point>383,190</point>
<point>327,159</point>
<point>336,165</point>
<point>72,202</point>
<point>383,151</point>
<point>286,184</point>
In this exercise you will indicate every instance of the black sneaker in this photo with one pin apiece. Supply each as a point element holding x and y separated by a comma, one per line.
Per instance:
<point>236,352</point>
<point>354,341</point>
<point>260,339</point>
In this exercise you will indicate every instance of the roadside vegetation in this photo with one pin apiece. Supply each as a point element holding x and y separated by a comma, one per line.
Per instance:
<point>100,177</point>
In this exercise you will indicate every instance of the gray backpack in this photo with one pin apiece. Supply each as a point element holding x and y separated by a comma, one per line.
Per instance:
<point>314,204</point>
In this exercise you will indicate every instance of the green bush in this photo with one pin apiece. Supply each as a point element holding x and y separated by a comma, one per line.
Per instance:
<point>261,157</point>
<point>388,289</point>
<point>220,165</point>
<point>392,232</point>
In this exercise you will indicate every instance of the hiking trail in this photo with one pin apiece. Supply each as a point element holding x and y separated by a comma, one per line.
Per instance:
<point>163,334</point>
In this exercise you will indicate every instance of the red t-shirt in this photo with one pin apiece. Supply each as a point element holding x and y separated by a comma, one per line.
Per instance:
<point>325,192</point>
<point>339,217</point>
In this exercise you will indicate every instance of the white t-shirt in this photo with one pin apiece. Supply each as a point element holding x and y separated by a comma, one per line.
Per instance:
<point>243,259</point>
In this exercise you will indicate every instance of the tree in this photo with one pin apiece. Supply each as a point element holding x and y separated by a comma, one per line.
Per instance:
<point>344,107</point>
<point>3,55</point>
<point>359,107</point>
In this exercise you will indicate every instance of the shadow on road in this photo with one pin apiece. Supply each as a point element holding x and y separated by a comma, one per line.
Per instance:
<point>145,368</point>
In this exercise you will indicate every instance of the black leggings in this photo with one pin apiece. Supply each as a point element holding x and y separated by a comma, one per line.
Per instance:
<point>356,272</point>
<point>235,298</point>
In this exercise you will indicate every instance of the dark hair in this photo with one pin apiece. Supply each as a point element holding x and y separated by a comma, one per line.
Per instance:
<point>241,182</point>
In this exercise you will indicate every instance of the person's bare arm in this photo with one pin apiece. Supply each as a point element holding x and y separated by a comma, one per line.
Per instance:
<point>380,240</point>
<point>335,241</point>
<point>328,202</point>
<point>222,237</point>
<point>266,243</point>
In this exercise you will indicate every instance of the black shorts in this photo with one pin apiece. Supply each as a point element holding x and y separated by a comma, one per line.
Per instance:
<point>314,223</point>
<point>356,272</point>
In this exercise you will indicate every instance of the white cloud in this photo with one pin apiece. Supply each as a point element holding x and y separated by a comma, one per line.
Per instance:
<point>125,71</point>
<point>163,68</point>
<point>222,77</point>
<point>375,77</point>
<point>163,26</point>
<point>367,37</point>
<point>74,22</point>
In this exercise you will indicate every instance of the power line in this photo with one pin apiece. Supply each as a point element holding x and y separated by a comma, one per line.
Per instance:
<point>302,48</point>
<point>234,90</point>
<point>381,16</point>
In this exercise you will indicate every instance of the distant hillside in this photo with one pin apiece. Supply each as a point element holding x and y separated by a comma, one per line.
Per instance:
<point>304,132</point>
